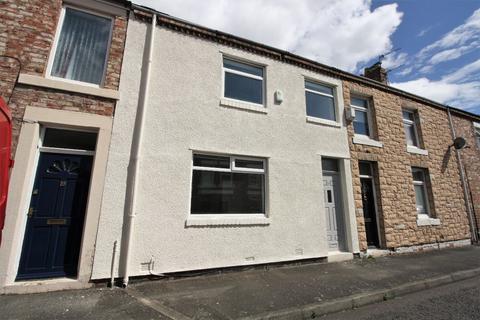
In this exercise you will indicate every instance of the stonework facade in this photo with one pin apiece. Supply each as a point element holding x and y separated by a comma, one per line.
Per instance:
<point>27,33</point>
<point>396,207</point>
<point>470,156</point>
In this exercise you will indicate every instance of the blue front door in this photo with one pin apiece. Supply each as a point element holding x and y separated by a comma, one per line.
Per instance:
<point>55,217</point>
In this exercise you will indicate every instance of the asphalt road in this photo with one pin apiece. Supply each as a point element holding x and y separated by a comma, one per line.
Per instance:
<point>460,300</point>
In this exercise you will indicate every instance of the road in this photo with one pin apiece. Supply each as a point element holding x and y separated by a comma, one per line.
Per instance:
<point>460,300</point>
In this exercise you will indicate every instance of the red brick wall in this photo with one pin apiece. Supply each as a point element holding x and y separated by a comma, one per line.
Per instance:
<point>27,32</point>
<point>9,69</point>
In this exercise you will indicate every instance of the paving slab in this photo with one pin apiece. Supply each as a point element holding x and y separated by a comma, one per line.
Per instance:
<point>264,293</point>
<point>288,292</point>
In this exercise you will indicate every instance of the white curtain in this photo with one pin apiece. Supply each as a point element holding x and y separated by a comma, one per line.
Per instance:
<point>82,47</point>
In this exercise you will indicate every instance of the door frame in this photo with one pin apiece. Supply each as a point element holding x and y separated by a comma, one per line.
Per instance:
<point>372,179</point>
<point>348,201</point>
<point>21,186</point>
<point>41,149</point>
<point>337,177</point>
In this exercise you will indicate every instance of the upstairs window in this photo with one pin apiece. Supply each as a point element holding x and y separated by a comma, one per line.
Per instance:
<point>228,185</point>
<point>243,81</point>
<point>420,186</point>
<point>477,133</point>
<point>410,126</point>
<point>361,123</point>
<point>320,101</point>
<point>81,49</point>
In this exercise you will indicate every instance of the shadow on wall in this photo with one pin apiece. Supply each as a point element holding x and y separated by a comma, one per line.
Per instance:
<point>446,159</point>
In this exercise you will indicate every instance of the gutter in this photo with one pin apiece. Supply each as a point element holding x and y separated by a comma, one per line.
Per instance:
<point>464,183</point>
<point>135,154</point>
<point>220,37</point>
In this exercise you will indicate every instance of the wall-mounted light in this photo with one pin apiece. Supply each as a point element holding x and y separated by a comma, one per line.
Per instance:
<point>278,97</point>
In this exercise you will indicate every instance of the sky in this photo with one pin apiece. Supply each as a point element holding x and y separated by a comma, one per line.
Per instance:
<point>431,47</point>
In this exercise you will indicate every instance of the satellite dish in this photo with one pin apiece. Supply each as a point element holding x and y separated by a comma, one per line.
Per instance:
<point>459,143</point>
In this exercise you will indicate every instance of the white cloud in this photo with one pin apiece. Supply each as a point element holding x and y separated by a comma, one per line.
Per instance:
<point>460,89</point>
<point>469,72</point>
<point>454,44</point>
<point>394,60</point>
<point>339,33</point>
<point>405,71</point>
<point>469,31</point>
<point>445,55</point>
<point>423,32</point>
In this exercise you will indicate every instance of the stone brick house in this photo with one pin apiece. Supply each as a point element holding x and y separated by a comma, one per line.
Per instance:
<point>468,127</point>
<point>406,177</point>
<point>60,67</point>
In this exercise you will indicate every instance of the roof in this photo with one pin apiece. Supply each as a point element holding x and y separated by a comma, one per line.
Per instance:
<point>221,37</point>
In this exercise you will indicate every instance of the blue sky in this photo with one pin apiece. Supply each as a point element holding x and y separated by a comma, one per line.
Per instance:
<point>440,72</point>
<point>439,39</point>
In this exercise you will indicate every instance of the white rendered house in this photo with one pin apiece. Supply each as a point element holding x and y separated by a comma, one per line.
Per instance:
<point>238,159</point>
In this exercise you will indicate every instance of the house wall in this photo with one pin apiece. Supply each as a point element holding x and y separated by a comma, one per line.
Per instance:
<point>27,34</point>
<point>470,156</point>
<point>395,192</point>
<point>184,113</point>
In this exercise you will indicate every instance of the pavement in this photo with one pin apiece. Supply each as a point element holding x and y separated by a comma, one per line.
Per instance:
<point>290,292</point>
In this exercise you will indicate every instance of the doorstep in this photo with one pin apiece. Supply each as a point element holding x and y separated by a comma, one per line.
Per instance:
<point>377,253</point>
<point>46,285</point>
<point>339,256</point>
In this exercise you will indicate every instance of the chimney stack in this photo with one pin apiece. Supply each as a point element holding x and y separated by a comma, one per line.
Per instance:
<point>377,73</point>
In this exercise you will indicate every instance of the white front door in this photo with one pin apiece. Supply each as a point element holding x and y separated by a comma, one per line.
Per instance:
<point>333,211</point>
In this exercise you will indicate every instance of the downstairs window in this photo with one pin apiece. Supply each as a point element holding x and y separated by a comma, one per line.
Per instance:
<point>228,185</point>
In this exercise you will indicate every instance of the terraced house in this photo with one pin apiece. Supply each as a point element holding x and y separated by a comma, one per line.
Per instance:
<point>223,152</point>
<point>243,154</point>
<point>60,69</point>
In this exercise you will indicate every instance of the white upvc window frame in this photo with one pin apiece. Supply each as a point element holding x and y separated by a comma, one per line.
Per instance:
<point>476,128</point>
<point>412,123</point>
<point>422,213</point>
<point>233,168</point>
<point>244,74</point>
<point>368,111</point>
<point>64,150</point>
<point>53,51</point>
<point>334,122</point>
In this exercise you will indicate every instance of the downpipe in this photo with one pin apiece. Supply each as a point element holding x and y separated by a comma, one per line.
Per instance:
<point>135,157</point>
<point>464,182</point>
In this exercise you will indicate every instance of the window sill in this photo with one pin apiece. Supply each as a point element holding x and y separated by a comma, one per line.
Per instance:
<point>415,150</point>
<point>38,81</point>
<point>359,139</point>
<point>227,220</point>
<point>428,222</point>
<point>243,105</point>
<point>325,122</point>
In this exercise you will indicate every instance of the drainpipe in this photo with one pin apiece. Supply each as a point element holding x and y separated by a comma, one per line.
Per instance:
<point>135,155</point>
<point>464,182</point>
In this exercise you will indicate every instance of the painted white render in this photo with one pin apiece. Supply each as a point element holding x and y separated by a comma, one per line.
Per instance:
<point>185,113</point>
